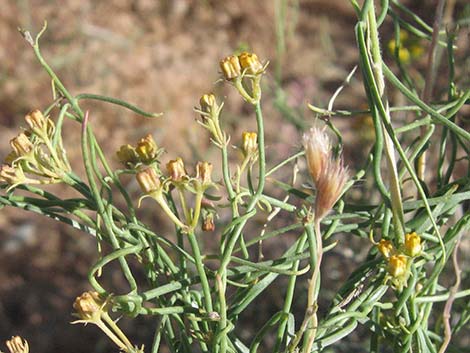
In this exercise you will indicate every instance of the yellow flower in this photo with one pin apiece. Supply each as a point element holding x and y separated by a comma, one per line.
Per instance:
<point>413,245</point>
<point>397,265</point>
<point>127,155</point>
<point>386,248</point>
<point>147,149</point>
<point>249,143</point>
<point>250,63</point>
<point>230,67</point>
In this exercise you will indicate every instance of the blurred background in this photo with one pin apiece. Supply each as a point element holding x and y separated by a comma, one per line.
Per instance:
<point>162,56</point>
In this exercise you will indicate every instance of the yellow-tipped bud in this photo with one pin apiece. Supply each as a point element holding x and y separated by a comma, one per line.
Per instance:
<point>203,173</point>
<point>249,143</point>
<point>21,145</point>
<point>250,63</point>
<point>127,155</point>
<point>17,345</point>
<point>208,103</point>
<point>230,67</point>
<point>89,307</point>
<point>386,248</point>
<point>36,120</point>
<point>397,265</point>
<point>148,180</point>
<point>413,245</point>
<point>147,149</point>
<point>176,169</point>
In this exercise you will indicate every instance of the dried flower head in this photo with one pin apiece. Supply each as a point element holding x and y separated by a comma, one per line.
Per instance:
<point>413,245</point>
<point>147,149</point>
<point>386,248</point>
<point>250,63</point>
<point>89,307</point>
<point>203,173</point>
<point>176,169</point>
<point>230,67</point>
<point>14,176</point>
<point>17,345</point>
<point>148,180</point>
<point>21,145</point>
<point>208,224</point>
<point>397,265</point>
<point>36,120</point>
<point>330,185</point>
<point>127,155</point>
<point>249,143</point>
<point>317,151</point>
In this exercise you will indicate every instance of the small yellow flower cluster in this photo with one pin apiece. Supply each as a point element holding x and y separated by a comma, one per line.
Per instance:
<point>409,48</point>
<point>143,160</point>
<point>145,152</point>
<point>399,260</point>
<point>37,155</point>
<point>246,65</point>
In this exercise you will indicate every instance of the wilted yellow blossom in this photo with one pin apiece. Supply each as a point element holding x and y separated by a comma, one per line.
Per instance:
<point>89,307</point>
<point>148,180</point>
<point>21,145</point>
<point>203,173</point>
<point>176,169</point>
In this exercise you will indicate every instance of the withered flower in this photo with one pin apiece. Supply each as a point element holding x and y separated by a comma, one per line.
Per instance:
<point>17,345</point>
<point>148,180</point>
<point>176,169</point>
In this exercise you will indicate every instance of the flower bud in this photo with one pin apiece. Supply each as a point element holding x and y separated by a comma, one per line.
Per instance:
<point>397,265</point>
<point>230,67</point>
<point>203,173</point>
<point>249,143</point>
<point>89,306</point>
<point>148,180</point>
<point>413,245</point>
<point>176,169</point>
<point>386,248</point>
<point>127,155</point>
<point>36,120</point>
<point>147,149</point>
<point>208,104</point>
<point>17,345</point>
<point>21,145</point>
<point>250,63</point>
